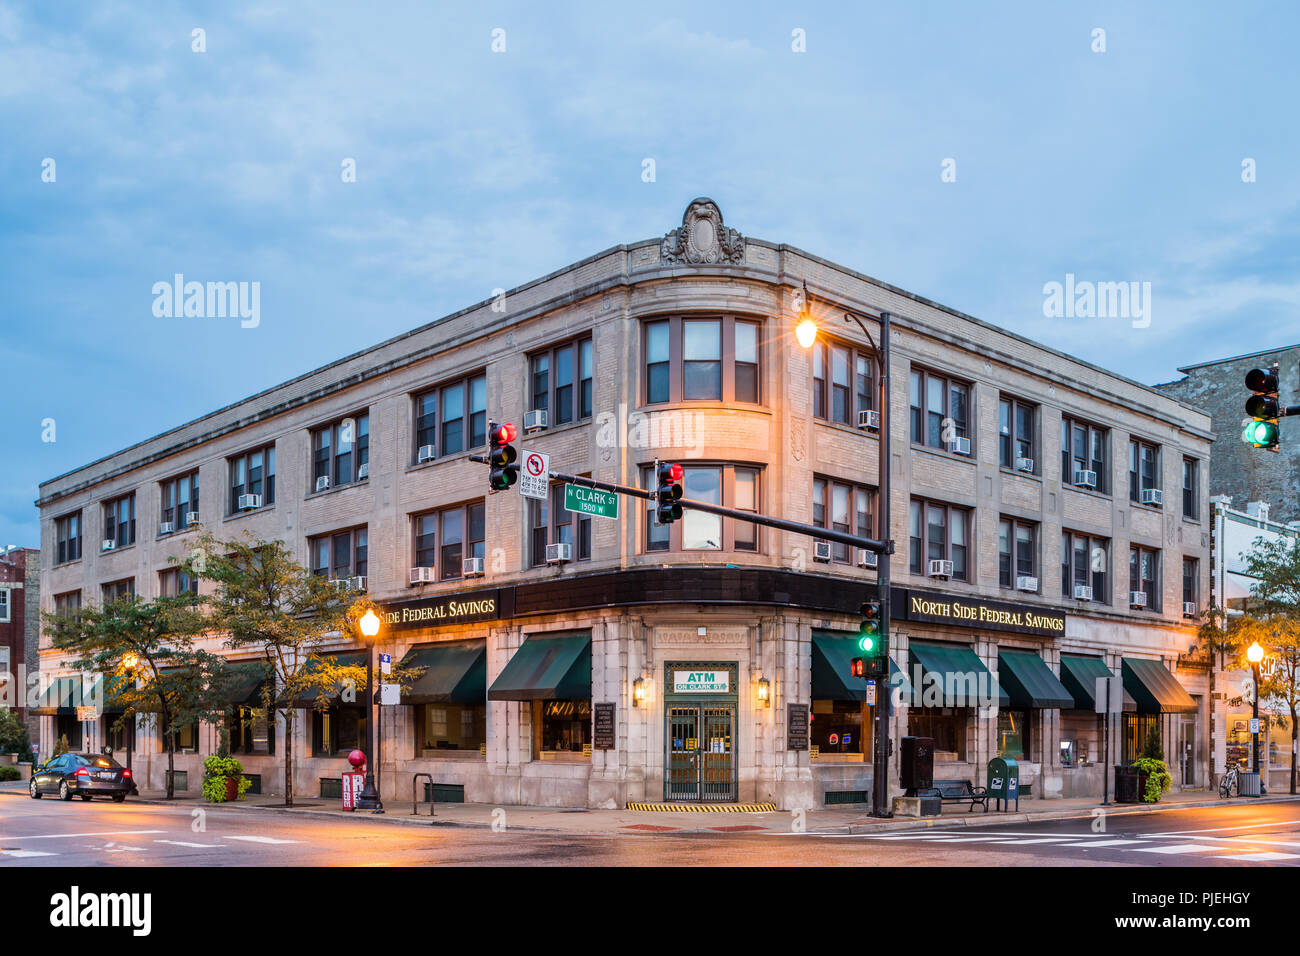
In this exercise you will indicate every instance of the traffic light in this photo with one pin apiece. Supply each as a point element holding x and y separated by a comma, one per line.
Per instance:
<point>668,492</point>
<point>1264,432</point>
<point>501,456</point>
<point>858,667</point>
<point>869,629</point>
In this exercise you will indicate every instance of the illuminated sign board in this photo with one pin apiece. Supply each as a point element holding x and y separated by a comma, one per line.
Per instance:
<point>463,607</point>
<point>936,607</point>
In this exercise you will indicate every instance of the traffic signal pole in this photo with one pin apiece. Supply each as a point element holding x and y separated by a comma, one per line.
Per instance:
<point>880,806</point>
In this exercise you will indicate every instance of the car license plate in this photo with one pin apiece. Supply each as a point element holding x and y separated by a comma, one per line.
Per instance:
<point>104,775</point>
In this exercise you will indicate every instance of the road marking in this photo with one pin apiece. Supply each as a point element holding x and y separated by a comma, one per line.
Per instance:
<point>24,853</point>
<point>1086,843</point>
<point>1181,848</point>
<point>261,839</point>
<point>1264,857</point>
<point>1244,826</point>
<point>64,836</point>
<point>203,846</point>
<point>1020,841</point>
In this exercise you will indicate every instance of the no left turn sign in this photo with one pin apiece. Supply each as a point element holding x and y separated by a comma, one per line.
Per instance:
<point>535,475</point>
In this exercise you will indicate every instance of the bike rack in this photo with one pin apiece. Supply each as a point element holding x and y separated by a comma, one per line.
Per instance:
<point>415,805</point>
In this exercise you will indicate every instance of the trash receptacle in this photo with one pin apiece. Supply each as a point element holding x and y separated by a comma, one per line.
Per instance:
<point>1004,781</point>
<point>1128,785</point>
<point>916,764</point>
<point>1248,783</point>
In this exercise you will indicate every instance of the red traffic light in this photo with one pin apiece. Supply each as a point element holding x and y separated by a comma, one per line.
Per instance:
<point>1262,380</point>
<point>504,434</point>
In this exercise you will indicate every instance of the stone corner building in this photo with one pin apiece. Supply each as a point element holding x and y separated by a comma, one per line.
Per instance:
<point>1237,470</point>
<point>575,660</point>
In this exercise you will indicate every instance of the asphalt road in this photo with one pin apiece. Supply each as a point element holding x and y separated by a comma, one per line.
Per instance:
<point>102,834</point>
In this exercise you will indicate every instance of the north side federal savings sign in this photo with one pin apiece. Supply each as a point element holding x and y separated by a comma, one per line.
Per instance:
<point>936,607</point>
<point>461,608</point>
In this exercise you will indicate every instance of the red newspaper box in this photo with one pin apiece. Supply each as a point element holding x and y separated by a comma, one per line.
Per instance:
<point>353,784</point>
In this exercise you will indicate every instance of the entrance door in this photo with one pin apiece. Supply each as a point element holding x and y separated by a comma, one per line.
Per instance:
<point>701,761</point>
<point>1187,751</point>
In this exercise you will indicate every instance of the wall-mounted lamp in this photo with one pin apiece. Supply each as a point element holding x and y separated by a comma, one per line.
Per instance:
<point>764,692</point>
<point>639,692</point>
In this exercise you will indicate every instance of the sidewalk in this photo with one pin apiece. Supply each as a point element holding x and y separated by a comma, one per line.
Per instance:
<point>610,822</point>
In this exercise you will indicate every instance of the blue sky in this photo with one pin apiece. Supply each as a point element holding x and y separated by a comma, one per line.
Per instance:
<point>478,170</point>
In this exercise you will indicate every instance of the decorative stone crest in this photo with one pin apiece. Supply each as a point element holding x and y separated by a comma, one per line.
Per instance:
<point>702,238</point>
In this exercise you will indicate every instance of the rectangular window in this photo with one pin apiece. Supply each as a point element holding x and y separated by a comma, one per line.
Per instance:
<point>180,499</point>
<point>1083,448</point>
<point>441,728</point>
<point>702,359</point>
<point>117,590</point>
<point>1085,562</point>
<point>1017,550</point>
<point>1016,433</point>
<point>1013,734</point>
<point>444,538</point>
<point>342,554</point>
<point>4,616</point>
<point>939,532</point>
<point>565,395</point>
<point>1191,489</point>
<point>68,605</point>
<point>936,401</point>
<point>851,509</point>
<point>457,410</point>
<point>1144,575</point>
<point>1143,468</point>
<point>552,523</point>
<point>1191,581</point>
<point>119,520</point>
<point>67,538</point>
<point>253,473</point>
<point>252,730</point>
<point>341,452</point>
<point>563,726</point>
<point>851,384</point>
<point>174,582</point>
<point>338,731</point>
<point>841,730</point>
<point>734,486</point>
<point>945,725</point>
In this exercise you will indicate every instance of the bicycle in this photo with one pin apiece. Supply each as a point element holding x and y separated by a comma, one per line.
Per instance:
<point>1228,786</point>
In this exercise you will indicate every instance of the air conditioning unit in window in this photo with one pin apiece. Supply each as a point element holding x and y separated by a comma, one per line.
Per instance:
<point>1153,496</point>
<point>1082,592</point>
<point>868,558</point>
<point>1085,479</point>
<point>166,527</point>
<point>249,501</point>
<point>1025,465</point>
<point>363,472</point>
<point>108,544</point>
<point>191,517</point>
<point>426,453</point>
<point>559,553</point>
<point>868,418</point>
<point>822,551</point>
<point>1189,609</point>
<point>472,567</point>
<point>1026,583</point>
<point>357,582</point>
<point>422,575</point>
<point>959,446</point>
<point>535,420</point>
<point>322,482</point>
<point>1137,599</point>
<point>940,569</point>
<point>344,583</point>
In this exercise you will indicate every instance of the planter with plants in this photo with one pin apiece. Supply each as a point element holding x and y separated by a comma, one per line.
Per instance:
<point>1153,778</point>
<point>223,779</point>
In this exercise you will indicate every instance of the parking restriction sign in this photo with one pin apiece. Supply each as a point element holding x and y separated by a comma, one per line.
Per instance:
<point>535,475</point>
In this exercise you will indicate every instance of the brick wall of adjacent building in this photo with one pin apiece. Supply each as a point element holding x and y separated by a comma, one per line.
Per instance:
<point>20,574</point>
<point>1236,469</point>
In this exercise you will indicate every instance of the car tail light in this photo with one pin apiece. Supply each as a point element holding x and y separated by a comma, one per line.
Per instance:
<point>83,772</point>
<point>126,774</point>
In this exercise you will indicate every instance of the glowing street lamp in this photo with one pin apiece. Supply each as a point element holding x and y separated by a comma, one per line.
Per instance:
<point>368,798</point>
<point>1255,654</point>
<point>806,332</point>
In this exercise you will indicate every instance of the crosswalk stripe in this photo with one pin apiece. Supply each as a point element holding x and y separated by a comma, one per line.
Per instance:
<point>25,853</point>
<point>1181,848</point>
<point>1264,857</point>
<point>1091,843</point>
<point>261,839</point>
<point>1023,841</point>
<point>203,846</point>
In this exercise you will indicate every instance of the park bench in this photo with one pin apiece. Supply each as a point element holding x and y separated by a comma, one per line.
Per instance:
<point>958,791</point>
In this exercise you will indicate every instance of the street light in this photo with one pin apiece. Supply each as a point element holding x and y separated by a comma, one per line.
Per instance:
<point>130,664</point>
<point>1255,654</point>
<point>368,799</point>
<point>805,333</point>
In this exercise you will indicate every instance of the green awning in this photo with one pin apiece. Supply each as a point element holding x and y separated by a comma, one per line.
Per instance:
<point>1029,681</point>
<point>1155,689</point>
<point>547,667</point>
<point>454,673</point>
<point>1079,674</point>
<point>831,677</point>
<point>344,659</point>
<point>249,678</point>
<point>961,677</point>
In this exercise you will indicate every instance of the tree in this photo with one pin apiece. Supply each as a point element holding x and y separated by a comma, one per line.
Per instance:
<point>1221,644</point>
<point>145,654</point>
<point>1153,748</point>
<point>267,601</point>
<point>14,738</point>
<point>1274,622</point>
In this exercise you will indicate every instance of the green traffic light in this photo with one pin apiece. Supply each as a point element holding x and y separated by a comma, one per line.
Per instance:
<point>866,643</point>
<point>1260,434</point>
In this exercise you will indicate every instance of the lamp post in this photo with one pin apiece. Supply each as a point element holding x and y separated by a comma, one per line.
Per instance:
<point>368,799</point>
<point>806,336</point>
<point>1255,654</point>
<point>130,663</point>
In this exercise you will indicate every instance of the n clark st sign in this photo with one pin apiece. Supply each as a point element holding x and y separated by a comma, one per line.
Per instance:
<point>935,607</point>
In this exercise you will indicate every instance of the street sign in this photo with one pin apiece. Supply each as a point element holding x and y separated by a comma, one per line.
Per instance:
<point>871,693</point>
<point>87,713</point>
<point>1109,689</point>
<point>385,663</point>
<point>589,501</point>
<point>535,475</point>
<point>390,694</point>
<point>1254,725</point>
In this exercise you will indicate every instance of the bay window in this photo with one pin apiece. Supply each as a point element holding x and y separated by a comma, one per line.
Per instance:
<point>704,358</point>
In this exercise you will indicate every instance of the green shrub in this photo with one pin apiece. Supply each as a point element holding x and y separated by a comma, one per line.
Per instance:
<point>13,736</point>
<point>9,773</point>
<point>216,770</point>
<point>1153,749</point>
<point>1158,778</point>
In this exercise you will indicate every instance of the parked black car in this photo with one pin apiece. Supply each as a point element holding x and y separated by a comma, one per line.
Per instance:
<point>83,775</point>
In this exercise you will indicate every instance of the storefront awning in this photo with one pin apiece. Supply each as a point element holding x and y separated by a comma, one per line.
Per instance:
<point>248,685</point>
<point>1029,682</point>
<point>343,659</point>
<point>1079,674</point>
<point>454,673</point>
<point>1155,689</point>
<point>547,667</point>
<point>956,675</point>
<point>831,677</point>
